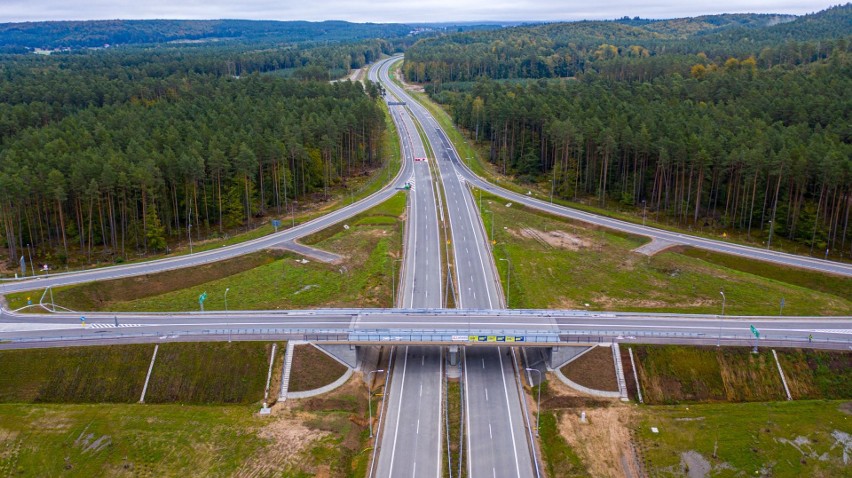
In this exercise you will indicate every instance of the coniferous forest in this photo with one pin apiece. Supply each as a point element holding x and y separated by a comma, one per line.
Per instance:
<point>112,153</point>
<point>712,123</point>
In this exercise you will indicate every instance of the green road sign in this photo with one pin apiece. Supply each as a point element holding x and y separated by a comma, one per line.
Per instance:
<point>202,297</point>
<point>755,331</point>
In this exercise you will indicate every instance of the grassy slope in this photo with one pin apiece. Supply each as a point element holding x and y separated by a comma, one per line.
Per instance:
<point>606,275</point>
<point>754,439</point>
<point>279,281</point>
<point>206,372</point>
<point>80,374</point>
<point>312,369</point>
<point>560,460</point>
<point>145,441</point>
<point>817,374</point>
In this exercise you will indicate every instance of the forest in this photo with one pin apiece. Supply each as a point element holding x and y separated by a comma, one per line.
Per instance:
<point>108,154</point>
<point>756,143</point>
<point>90,34</point>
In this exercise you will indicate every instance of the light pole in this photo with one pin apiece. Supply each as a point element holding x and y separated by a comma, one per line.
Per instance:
<point>769,241</point>
<point>538,403</point>
<point>226,298</point>
<point>644,209</point>
<point>719,340</point>
<point>492,224</point>
<point>189,235</point>
<point>370,397</point>
<point>228,324</point>
<point>508,282</point>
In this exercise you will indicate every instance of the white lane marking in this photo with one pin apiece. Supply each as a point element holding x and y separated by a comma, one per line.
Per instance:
<point>490,435</point>
<point>483,362</point>
<point>422,362</point>
<point>399,409</point>
<point>421,389</point>
<point>418,426</point>
<point>509,412</point>
<point>486,398</point>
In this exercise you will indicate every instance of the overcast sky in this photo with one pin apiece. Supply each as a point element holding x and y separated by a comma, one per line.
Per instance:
<point>391,10</point>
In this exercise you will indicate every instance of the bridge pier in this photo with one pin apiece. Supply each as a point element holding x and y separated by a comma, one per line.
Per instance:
<point>557,356</point>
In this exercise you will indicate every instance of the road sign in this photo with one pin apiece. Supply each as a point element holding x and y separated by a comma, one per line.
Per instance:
<point>276,224</point>
<point>755,331</point>
<point>202,297</point>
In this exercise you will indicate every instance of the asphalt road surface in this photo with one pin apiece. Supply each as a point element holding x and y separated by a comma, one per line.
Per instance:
<point>477,286</point>
<point>411,439</point>
<point>410,442</point>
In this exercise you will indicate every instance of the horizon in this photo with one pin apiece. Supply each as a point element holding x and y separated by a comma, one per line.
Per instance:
<point>468,12</point>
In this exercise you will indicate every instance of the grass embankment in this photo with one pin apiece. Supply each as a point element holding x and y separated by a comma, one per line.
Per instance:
<point>81,374</point>
<point>560,459</point>
<point>183,372</point>
<point>265,280</point>
<point>779,439</point>
<point>671,374</point>
<point>205,372</point>
<point>817,374</point>
<point>312,368</point>
<point>563,264</point>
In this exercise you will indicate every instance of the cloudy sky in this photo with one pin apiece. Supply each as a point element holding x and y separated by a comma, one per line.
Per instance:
<point>391,10</point>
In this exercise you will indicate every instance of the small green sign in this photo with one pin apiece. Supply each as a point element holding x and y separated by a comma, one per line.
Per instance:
<point>755,331</point>
<point>202,297</point>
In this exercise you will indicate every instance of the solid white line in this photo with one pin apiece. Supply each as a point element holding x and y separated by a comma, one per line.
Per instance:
<point>418,426</point>
<point>486,397</point>
<point>509,412</point>
<point>490,434</point>
<point>399,410</point>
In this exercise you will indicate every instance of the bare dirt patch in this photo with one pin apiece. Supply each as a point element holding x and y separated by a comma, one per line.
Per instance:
<point>287,437</point>
<point>595,369</point>
<point>846,408</point>
<point>555,238</point>
<point>604,444</point>
<point>313,368</point>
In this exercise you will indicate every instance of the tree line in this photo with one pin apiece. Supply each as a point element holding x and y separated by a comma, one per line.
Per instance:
<point>107,154</point>
<point>731,145</point>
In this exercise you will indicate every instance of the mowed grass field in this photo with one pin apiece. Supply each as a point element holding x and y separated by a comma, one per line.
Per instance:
<point>563,264</point>
<point>779,439</point>
<point>264,280</point>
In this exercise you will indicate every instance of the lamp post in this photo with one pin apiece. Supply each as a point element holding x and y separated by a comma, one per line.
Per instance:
<point>644,209</point>
<point>719,340</point>
<point>508,282</point>
<point>538,403</point>
<point>370,397</point>
<point>492,224</point>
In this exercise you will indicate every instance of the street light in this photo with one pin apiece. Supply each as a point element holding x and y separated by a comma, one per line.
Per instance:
<point>508,282</point>
<point>538,404</point>
<point>644,209</point>
<point>370,397</point>
<point>227,324</point>
<point>719,340</point>
<point>226,298</point>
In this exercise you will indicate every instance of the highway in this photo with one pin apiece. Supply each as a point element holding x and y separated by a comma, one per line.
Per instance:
<point>391,323</point>
<point>495,431</point>
<point>410,441</point>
